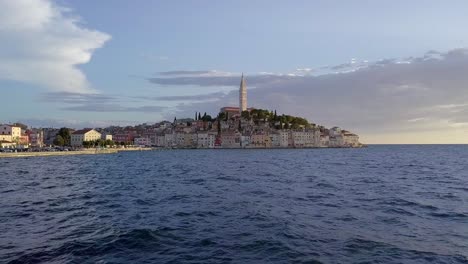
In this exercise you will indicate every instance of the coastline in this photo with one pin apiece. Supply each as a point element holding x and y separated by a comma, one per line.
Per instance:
<point>113,151</point>
<point>69,153</point>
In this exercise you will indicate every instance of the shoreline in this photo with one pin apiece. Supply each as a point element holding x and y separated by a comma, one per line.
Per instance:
<point>114,151</point>
<point>69,153</point>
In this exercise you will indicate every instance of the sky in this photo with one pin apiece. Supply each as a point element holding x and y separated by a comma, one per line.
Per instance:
<point>391,71</point>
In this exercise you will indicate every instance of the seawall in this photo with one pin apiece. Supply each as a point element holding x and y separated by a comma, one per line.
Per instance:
<point>68,153</point>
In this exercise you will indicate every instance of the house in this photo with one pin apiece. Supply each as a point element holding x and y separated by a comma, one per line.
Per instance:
<point>350,139</point>
<point>10,133</point>
<point>87,134</point>
<point>36,137</point>
<point>142,141</point>
<point>260,140</point>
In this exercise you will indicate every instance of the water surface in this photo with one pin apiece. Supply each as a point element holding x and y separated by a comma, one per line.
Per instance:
<point>382,204</point>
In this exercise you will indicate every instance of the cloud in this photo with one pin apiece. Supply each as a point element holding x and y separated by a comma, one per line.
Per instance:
<point>384,98</point>
<point>42,44</point>
<point>71,123</point>
<point>197,97</point>
<point>203,73</point>
<point>95,103</point>
<point>220,80</point>
<point>75,98</point>
<point>91,107</point>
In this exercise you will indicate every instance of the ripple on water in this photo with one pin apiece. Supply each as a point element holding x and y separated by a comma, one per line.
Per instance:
<point>382,204</point>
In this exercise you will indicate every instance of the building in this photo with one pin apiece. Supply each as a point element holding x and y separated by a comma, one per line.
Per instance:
<point>284,138</point>
<point>10,133</point>
<point>49,135</point>
<point>275,138</point>
<point>36,137</point>
<point>87,134</point>
<point>260,140</point>
<point>242,95</point>
<point>350,139</point>
<point>123,137</point>
<point>230,139</point>
<point>142,141</point>
<point>106,136</point>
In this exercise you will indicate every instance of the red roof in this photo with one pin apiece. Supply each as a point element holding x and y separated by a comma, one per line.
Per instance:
<point>82,131</point>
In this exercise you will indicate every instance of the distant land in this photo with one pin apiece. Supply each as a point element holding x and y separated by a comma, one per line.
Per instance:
<point>232,127</point>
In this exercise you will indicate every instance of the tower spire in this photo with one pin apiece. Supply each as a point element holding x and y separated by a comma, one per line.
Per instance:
<point>242,95</point>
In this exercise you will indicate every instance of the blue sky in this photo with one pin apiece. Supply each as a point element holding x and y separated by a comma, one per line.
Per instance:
<point>55,51</point>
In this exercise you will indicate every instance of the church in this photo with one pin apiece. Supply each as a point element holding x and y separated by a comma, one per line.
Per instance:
<point>232,110</point>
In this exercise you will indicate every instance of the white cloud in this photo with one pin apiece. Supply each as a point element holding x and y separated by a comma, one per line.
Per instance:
<point>41,43</point>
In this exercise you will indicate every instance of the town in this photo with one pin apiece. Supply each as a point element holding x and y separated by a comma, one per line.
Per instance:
<point>232,127</point>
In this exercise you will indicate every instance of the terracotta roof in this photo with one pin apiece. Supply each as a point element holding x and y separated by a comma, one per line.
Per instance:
<point>82,131</point>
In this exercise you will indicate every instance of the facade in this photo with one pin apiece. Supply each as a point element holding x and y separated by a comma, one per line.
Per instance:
<point>260,140</point>
<point>106,136</point>
<point>36,137</point>
<point>10,133</point>
<point>87,134</point>
<point>123,137</point>
<point>142,141</point>
<point>230,140</point>
<point>351,140</point>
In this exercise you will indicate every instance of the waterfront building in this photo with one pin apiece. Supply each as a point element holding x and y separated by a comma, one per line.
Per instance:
<point>160,141</point>
<point>36,137</point>
<point>260,140</point>
<point>169,140</point>
<point>123,137</point>
<point>49,135</point>
<point>336,141</point>
<point>10,133</point>
<point>324,140</point>
<point>350,139</point>
<point>245,140</point>
<point>230,139</point>
<point>87,134</point>
<point>284,138</point>
<point>142,141</point>
<point>106,136</point>
<point>275,138</point>
<point>202,139</point>
<point>7,144</point>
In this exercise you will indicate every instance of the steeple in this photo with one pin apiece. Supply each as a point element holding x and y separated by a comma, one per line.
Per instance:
<point>242,95</point>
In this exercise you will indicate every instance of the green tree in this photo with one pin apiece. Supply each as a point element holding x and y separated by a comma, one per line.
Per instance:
<point>59,141</point>
<point>66,136</point>
<point>245,115</point>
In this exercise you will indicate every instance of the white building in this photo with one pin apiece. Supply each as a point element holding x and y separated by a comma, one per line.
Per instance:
<point>10,133</point>
<point>351,140</point>
<point>142,141</point>
<point>87,134</point>
<point>160,141</point>
<point>284,138</point>
<point>275,139</point>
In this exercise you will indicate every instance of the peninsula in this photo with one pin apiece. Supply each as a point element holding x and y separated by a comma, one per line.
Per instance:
<point>232,127</point>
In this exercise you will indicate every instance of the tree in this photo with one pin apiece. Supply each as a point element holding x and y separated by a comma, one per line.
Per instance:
<point>65,134</point>
<point>199,116</point>
<point>245,115</point>
<point>59,141</point>
<point>196,118</point>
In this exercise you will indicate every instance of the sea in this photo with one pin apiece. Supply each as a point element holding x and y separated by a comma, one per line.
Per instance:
<point>380,204</point>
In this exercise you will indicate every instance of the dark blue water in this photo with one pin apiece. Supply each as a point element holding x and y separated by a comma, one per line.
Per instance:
<point>383,204</point>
